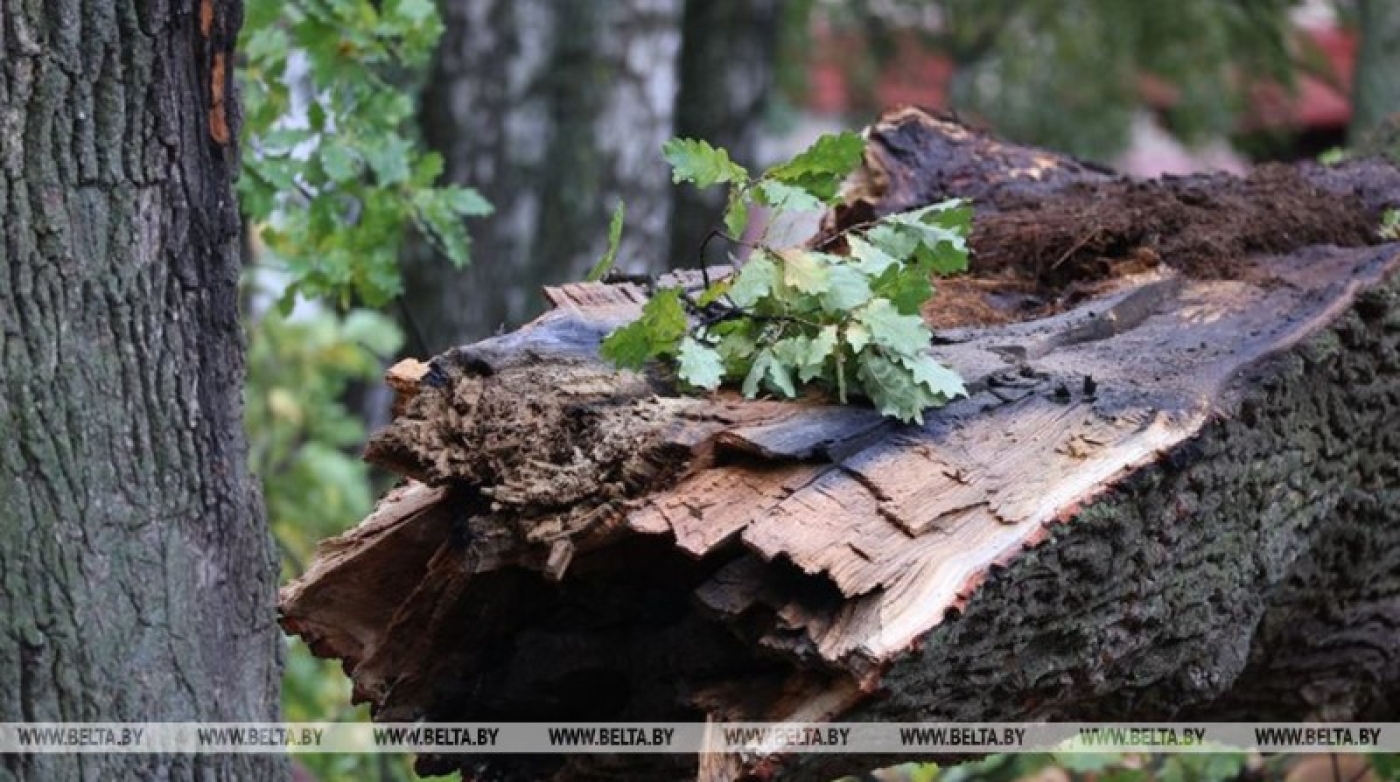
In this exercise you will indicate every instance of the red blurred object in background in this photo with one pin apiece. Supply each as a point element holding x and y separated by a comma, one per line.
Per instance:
<point>915,75</point>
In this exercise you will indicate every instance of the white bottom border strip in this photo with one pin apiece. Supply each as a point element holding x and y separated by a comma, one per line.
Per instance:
<point>691,738</point>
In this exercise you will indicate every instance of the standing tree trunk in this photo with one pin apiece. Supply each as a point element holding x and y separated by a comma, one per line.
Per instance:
<point>1375,90</point>
<point>726,78</point>
<point>554,110</point>
<point>136,575</point>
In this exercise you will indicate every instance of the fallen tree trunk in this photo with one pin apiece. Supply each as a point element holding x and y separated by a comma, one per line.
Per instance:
<point>1173,492</point>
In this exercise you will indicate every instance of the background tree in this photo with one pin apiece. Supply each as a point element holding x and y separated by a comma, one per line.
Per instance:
<point>554,110</point>
<point>138,577</point>
<point>1375,88</point>
<point>728,59</point>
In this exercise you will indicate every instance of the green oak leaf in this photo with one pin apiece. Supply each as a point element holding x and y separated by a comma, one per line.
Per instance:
<point>757,371</point>
<point>804,271</point>
<point>388,158</point>
<point>695,161</point>
<point>785,197</point>
<point>432,212</point>
<point>629,347</point>
<point>768,371</point>
<point>847,289</point>
<point>935,234</point>
<point>873,261</point>
<point>736,347</point>
<point>414,12</point>
<point>907,286</point>
<point>936,377</point>
<point>891,329</point>
<point>700,365</point>
<point>736,215</point>
<point>857,336</point>
<point>657,332</point>
<point>894,389</point>
<point>954,214</point>
<point>781,379</point>
<point>895,241</point>
<point>819,349</point>
<point>820,168</point>
<point>756,280</point>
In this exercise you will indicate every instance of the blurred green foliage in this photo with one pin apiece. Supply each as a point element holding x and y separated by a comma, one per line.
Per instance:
<point>303,445</point>
<point>333,179</point>
<point>332,174</point>
<point>304,439</point>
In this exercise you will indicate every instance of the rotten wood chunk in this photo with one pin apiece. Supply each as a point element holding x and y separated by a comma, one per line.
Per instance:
<point>404,379</point>
<point>1172,490</point>
<point>1052,231</point>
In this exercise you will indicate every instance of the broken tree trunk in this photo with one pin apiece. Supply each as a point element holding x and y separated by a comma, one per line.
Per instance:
<point>1174,491</point>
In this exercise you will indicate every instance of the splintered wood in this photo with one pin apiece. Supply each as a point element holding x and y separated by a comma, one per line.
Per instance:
<point>575,542</point>
<point>907,526</point>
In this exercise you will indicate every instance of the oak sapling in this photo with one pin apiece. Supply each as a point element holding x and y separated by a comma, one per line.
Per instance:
<point>794,316</point>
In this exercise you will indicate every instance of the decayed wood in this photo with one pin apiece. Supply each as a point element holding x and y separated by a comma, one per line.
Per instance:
<point>1144,505</point>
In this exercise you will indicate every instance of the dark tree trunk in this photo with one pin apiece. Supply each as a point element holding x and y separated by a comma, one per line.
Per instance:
<point>726,77</point>
<point>554,110</point>
<point>136,573</point>
<point>1375,90</point>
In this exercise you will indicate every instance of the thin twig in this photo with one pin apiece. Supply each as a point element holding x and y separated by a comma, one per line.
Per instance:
<point>841,234</point>
<point>1077,245</point>
<point>705,264</point>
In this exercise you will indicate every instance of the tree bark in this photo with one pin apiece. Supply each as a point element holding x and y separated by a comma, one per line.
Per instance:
<point>554,110</point>
<point>136,571</point>
<point>726,78</point>
<point>1170,494</point>
<point>1375,92</point>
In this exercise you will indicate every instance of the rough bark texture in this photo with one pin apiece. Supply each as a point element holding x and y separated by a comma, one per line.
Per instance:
<point>1173,494</point>
<point>554,110</point>
<point>136,571</point>
<point>1375,90</point>
<point>1252,573</point>
<point>726,77</point>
